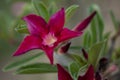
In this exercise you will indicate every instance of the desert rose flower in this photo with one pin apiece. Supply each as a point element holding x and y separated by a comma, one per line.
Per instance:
<point>64,75</point>
<point>45,36</point>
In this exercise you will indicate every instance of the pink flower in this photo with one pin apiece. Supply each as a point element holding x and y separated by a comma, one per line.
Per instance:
<point>64,75</point>
<point>80,27</point>
<point>45,36</point>
<point>85,54</point>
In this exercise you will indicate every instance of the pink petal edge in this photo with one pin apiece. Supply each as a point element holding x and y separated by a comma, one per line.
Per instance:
<point>57,21</point>
<point>49,52</point>
<point>85,54</point>
<point>63,74</point>
<point>29,43</point>
<point>67,34</point>
<point>89,75</point>
<point>81,26</point>
<point>64,49</point>
<point>36,25</point>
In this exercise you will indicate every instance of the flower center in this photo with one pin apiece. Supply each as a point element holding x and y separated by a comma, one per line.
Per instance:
<point>49,40</point>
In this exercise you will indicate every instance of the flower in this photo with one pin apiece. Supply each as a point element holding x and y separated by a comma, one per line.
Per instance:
<point>85,54</point>
<point>81,26</point>
<point>64,48</point>
<point>64,75</point>
<point>45,36</point>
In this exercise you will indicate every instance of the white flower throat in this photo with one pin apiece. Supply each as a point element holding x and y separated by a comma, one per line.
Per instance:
<point>49,39</point>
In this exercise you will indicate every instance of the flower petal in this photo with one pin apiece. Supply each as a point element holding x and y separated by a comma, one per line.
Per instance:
<point>89,74</point>
<point>63,74</point>
<point>49,52</point>
<point>64,48</point>
<point>67,34</point>
<point>36,24</point>
<point>84,23</point>
<point>29,43</point>
<point>56,22</point>
<point>85,54</point>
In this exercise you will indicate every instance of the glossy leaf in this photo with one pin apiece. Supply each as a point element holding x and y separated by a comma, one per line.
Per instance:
<point>79,59</point>
<point>22,29</point>
<point>37,68</point>
<point>95,53</point>
<point>21,62</point>
<point>97,25</point>
<point>93,30</point>
<point>100,23</point>
<point>83,69</point>
<point>74,69</point>
<point>93,25</point>
<point>70,10</point>
<point>41,9</point>
<point>100,26</point>
<point>87,39</point>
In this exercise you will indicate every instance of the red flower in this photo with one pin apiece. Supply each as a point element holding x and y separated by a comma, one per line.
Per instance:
<point>45,36</point>
<point>80,27</point>
<point>64,75</point>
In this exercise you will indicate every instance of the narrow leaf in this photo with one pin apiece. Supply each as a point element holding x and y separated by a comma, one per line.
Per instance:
<point>20,63</point>
<point>52,8</point>
<point>107,35</point>
<point>41,9</point>
<point>95,52</point>
<point>70,10</point>
<point>74,69</point>
<point>100,26</point>
<point>79,59</point>
<point>83,69</point>
<point>22,29</point>
<point>97,25</point>
<point>87,39</point>
<point>37,68</point>
<point>75,47</point>
<point>93,30</point>
<point>114,20</point>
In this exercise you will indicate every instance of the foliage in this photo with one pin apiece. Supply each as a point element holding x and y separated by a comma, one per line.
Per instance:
<point>94,41</point>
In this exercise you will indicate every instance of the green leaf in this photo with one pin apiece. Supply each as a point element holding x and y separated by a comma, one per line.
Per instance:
<point>83,69</point>
<point>70,10</point>
<point>20,63</point>
<point>104,49</point>
<point>107,35</point>
<point>100,26</point>
<point>22,28</point>
<point>37,68</point>
<point>95,53</point>
<point>52,8</point>
<point>87,39</point>
<point>79,59</point>
<point>115,23</point>
<point>75,47</point>
<point>41,9</point>
<point>74,69</point>
<point>93,30</point>
<point>97,25</point>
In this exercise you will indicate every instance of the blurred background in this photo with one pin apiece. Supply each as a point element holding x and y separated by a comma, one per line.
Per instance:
<point>11,11</point>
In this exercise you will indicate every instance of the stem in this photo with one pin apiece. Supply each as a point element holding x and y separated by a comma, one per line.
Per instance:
<point>113,41</point>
